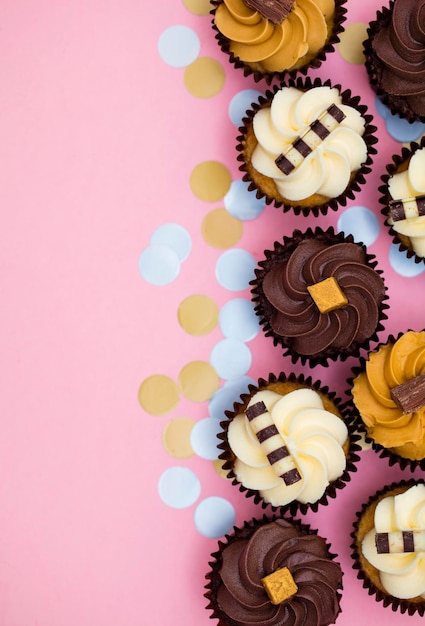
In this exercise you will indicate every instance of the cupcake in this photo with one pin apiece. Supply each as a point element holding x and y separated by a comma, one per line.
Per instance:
<point>274,572</point>
<point>389,545</point>
<point>403,200</point>
<point>395,57</point>
<point>319,295</point>
<point>270,39</point>
<point>388,391</point>
<point>288,444</point>
<point>306,146</point>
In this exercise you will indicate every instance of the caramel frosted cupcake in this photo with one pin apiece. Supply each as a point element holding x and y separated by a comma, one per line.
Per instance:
<point>389,545</point>
<point>306,146</point>
<point>270,39</point>
<point>288,444</point>
<point>319,295</point>
<point>274,572</point>
<point>395,57</point>
<point>403,200</point>
<point>388,391</point>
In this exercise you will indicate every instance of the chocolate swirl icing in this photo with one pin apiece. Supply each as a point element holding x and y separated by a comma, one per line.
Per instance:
<point>399,47</point>
<point>291,314</point>
<point>238,596</point>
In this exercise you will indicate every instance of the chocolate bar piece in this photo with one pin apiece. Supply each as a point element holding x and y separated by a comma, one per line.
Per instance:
<point>274,10</point>
<point>406,208</point>
<point>410,396</point>
<point>400,541</point>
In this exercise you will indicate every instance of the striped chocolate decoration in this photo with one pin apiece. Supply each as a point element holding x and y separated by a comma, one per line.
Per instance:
<point>303,145</point>
<point>400,541</point>
<point>407,208</point>
<point>269,437</point>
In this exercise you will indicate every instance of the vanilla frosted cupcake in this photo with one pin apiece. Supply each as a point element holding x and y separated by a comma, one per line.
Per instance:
<point>389,546</point>
<point>404,200</point>
<point>287,443</point>
<point>306,146</point>
<point>271,38</point>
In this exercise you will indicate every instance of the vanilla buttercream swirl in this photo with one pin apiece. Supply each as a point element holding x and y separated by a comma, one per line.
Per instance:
<point>407,184</point>
<point>294,315</point>
<point>314,438</point>
<point>241,597</point>
<point>400,47</point>
<point>402,575</point>
<point>255,40</point>
<point>391,365</point>
<point>328,168</point>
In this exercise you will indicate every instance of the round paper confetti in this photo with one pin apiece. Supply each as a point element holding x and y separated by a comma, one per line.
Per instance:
<point>179,46</point>
<point>179,487</point>
<point>361,223</point>
<point>175,237</point>
<point>204,78</point>
<point>402,264</point>
<point>198,7</point>
<point>229,393</point>
<point>218,468</point>
<point>350,45</point>
<point>238,320</point>
<point>159,265</point>
<point>176,437</point>
<point>231,358</point>
<point>400,129</point>
<point>240,103</point>
<point>198,314</point>
<point>204,438</point>
<point>158,394</point>
<point>210,181</point>
<point>234,269</point>
<point>220,229</point>
<point>214,517</point>
<point>198,380</point>
<point>241,203</point>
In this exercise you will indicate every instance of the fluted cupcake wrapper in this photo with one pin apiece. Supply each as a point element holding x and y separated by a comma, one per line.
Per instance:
<point>359,562</point>
<point>392,168</point>
<point>359,177</point>
<point>269,77</point>
<point>263,309</point>
<point>227,456</point>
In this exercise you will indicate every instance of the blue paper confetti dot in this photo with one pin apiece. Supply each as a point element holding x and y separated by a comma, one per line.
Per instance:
<point>175,237</point>
<point>234,269</point>
<point>240,103</point>
<point>203,438</point>
<point>402,264</point>
<point>361,223</point>
<point>231,358</point>
<point>179,487</point>
<point>237,320</point>
<point>159,265</point>
<point>214,517</point>
<point>179,46</point>
<point>241,203</point>
<point>229,393</point>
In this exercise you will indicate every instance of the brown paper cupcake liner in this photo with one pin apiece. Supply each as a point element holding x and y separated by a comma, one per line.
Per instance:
<point>269,77</point>
<point>227,457</point>
<point>404,606</point>
<point>263,308</point>
<point>243,532</point>
<point>388,454</point>
<point>358,179</point>
<point>397,161</point>
<point>396,104</point>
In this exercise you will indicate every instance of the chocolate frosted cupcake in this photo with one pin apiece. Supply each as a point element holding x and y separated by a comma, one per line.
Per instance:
<point>306,146</point>
<point>403,199</point>
<point>274,572</point>
<point>388,391</point>
<point>389,544</point>
<point>319,295</point>
<point>395,57</point>
<point>288,444</point>
<point>270,39</point>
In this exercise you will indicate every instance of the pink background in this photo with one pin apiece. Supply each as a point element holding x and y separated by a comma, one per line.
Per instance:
<point>98,137</point>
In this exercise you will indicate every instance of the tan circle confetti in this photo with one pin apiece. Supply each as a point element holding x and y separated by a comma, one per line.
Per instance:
<point>198,7</point>
<point>218,466</point>
<point>220,229</point>
<point>351,43</point>
<point>210,181</point>
<point>176,437</point>
<point>198,380</point>
<point>198,314</point>
<point>204,78</point>
<point>158,394</point>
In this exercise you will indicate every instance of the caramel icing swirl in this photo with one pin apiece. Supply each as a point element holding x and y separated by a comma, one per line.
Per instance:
<point>241,597</point>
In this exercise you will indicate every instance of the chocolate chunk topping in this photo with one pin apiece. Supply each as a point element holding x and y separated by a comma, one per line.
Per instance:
<point>410,396</point>
<point>278,454</point>
<point>382,543</point>
<point>255,410</point>
<point>267,432</point>
<point>408,541</point>
<point>302,147</point>
<point>291,477</point>
<point>284,164</point>
<point>273,10</point>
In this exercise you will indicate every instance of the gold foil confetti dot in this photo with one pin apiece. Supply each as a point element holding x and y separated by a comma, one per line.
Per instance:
<point>176,437</point>
<point>350,45</point>
<point>221,230</point>
<point>158,394</point>
<point>198,380</point>
<point>204,78</point>
<point>198,7</point>
<point>198,315</point>
<point>210,181</point>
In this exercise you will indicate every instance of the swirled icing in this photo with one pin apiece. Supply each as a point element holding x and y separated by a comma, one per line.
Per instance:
<point>400,48</point>
<point>406,184</point>
<point>327,169</point>
<point>391,365</point>
<point>241,598</point>
<point>402,575</point>
<point>313,436</point>
<point>296,318</point>
<point>274,48</point>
